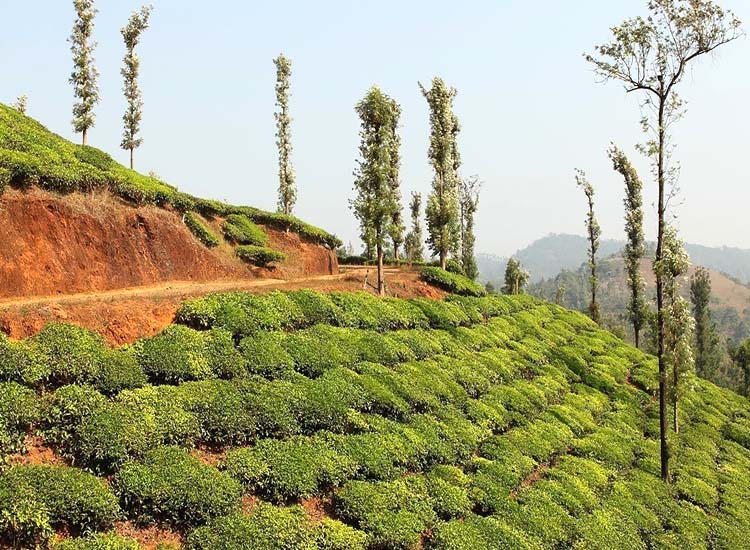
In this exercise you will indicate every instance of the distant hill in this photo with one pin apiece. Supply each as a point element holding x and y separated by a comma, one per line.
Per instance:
<point>730,302</point>
<point>546,257</point>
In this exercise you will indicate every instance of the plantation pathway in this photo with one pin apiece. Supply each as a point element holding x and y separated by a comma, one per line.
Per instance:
<point>124,315</point>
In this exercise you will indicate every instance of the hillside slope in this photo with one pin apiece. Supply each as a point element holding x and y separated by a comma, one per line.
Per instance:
<point>75,220</point>
<point>730,303</point>
<point>305,421</point>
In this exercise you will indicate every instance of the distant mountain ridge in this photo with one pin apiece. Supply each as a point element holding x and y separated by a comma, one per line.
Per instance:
<point>546,257</point>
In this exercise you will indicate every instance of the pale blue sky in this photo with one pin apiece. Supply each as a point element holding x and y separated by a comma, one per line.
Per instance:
<point>529,105</point>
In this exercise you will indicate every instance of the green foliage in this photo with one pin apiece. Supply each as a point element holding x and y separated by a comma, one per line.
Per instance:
<point>259,255</point>
<point>119,371</point>
<point>267,528</point>
<point>97,542</point>
<point>169,485</point>
<point>240,230</point>
<point>19,409</point>
<point>200,230</point>
<point>22,362</point>
<point>452,282</point>
<point>393,514</point>
<point>287,470</point>
<point>73,354</point>
<point>63,497</point>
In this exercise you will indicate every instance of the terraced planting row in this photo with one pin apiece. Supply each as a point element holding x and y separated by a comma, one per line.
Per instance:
<point>495,422</point>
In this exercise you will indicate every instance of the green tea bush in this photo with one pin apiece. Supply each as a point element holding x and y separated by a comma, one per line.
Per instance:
<point>452,282</point>
<point>442,314</point>
<point>65,410</point>
<point>481,532</point>
<point>393,514</point>
<point>70,497</point>
<point>169,485</point>
<point>176,354</point>
<point>265,355</point>
<point>73,354</point>
<point>221,409</point>
<point>200,230</point>
<point>267,528</point>
<point>292,469</point>
<point>22,362</point>
<point>259,255</point>
<point>105,541</point>
<point>19,409</point>
<point>224,359</point>
<point>240,230</point>
<point>316,308</point>
<point>334,535</point>
<point>119,370</point>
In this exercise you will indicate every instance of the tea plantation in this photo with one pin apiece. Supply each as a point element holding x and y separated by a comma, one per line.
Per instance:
<point>472,423</point>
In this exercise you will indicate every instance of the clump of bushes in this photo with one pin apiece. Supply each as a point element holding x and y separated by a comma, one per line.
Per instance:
<point>452,282</point>
<point>73,354</point>
<point>19,409</point>
<point>169,485</point>
<point>98,541</point>
<point>180,353</point>
<point>22,362</point>
<point>200,230</point>
<point>259,255</point>
<point>34,500</point>
<point>239,229</point>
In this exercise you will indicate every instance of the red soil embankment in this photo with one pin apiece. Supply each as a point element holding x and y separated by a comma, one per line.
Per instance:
<point>52,245</point>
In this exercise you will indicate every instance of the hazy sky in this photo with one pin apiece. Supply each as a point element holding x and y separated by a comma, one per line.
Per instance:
<point>530,108</point>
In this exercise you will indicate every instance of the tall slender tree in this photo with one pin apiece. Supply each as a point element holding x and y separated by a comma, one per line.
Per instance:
<point>84,75</point>
<point>287,187</point>
<point>396,229</point>
<point>635,247</point>
<point>707,342</point>
<point>678,324</point>
<point>468,204</point>
<point>442,209</point>
<point>377,170</point>
<point>131,34</point>
<point>652,55</point>
<point>741,357</point>
<point>594,232</point>
<point>413,244</point>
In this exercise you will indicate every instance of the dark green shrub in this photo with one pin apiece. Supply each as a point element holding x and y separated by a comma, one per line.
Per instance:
<point>72,498</point>
<point>224,359</point>
<point>66,409</point>
<point>99,541</point>
<point>453,266</point>
<point>222,410</point>
<point>334,535</point>
<point>479,532</point>
<point>19,409</point>
<point>24,519</point>
<point>267,528</point>
<point>119,371</point>
<point>176,354</point>
<point>240,230</point>
<point>274,406</point>
<point>259,255</point>
<point>22,362</point>
<point>73,354</point>
<point>169,485</point>
<point>452,282</point>
<point>316,308</point>
<point>200,230</point>
<point>314,353</point>
<point>94,157</point>
<point>393,514</point>
<point>265,355</point>
<point>283,470</point>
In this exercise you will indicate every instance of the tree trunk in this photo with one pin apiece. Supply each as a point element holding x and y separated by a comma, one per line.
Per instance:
<point>443,259</point>
<point>84,135</point>
<point>637,336</point>
<point>675,423</point>
<point>395,251</point>
<point>381,282</point>
<point>131,158</point>
<point>660,303</point>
